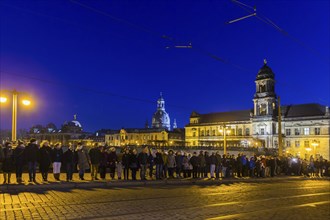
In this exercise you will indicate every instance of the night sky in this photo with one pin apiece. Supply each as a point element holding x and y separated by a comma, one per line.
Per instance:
<point>109,66</point>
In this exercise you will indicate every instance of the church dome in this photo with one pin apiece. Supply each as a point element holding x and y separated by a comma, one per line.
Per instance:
<point>161,119</point>
<point>265,72</point>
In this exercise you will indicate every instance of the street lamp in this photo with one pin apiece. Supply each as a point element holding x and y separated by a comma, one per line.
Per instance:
<point>225,131</point>
<point>26,102</point>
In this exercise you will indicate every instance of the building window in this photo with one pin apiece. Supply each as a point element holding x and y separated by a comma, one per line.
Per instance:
<point>287,132</point>
<point>207,133</point>
<point>306,131</point>
<point>194,143</point>
<point>288,143</point>
<point>275,143</point>
<point>262,131</point>
<point>213,132</point>
<point>297,143</point>
<point>202,133</point>
<point>247,131</point>
<point>194,134</point>
<point>306,143</point>
<point>317,131</point>
<point>296,131</point>
<point>240,132</point>
<point>156,137</point>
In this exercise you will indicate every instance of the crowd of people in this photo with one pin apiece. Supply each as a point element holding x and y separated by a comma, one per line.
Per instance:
<point>150,163</point>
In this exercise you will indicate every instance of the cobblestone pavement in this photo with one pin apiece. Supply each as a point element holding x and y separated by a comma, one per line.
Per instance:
<point>288,199</point>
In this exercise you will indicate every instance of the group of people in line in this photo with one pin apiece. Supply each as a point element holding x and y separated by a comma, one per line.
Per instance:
<point>151,163</point>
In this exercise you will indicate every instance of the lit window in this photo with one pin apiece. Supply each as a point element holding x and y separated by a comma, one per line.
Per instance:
<point>288,143</point>
<point>240,132</point>
<point>247,131</point>
<point>262,131</point>
<point>297,143</point>
<point>296,131</point>
<point>306,131</point>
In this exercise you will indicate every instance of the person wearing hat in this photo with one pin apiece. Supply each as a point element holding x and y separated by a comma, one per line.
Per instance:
<point>8,162</point>
<point>19,161</point>
<point>31,154</point>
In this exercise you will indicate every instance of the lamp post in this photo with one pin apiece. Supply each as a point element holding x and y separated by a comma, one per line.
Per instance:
<point>4,99</point>
<point>224,130</point>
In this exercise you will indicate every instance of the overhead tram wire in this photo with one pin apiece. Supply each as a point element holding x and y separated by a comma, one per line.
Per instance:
<point>269,22</point>
<point>86,89</point>
<point>162,36</point>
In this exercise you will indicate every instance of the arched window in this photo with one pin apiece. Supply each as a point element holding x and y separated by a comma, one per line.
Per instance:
<point>247,131</point>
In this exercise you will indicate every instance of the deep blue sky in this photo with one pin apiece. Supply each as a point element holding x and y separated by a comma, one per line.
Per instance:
<point>62,42</point>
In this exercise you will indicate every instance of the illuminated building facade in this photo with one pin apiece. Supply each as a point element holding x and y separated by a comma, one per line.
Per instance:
<point>305,127</point>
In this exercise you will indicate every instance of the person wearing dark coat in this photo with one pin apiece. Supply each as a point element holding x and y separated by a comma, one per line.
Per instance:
<point>159,164</point>
<point>134,163</point>
<point>45,159</point>
<point>68,160</point>
<point>57,155</point>
<point>103,162</point>
<point>112,159</point>
<point>178,161</point>
<point>7,162</point>
<point>19,161</point>
<point>126,162</point>
<point>151,161</point>
<point>143,159</point>
<point>194,161</point>
<point>31,155</point>
<point>212,161</point>
<point>95,156</point>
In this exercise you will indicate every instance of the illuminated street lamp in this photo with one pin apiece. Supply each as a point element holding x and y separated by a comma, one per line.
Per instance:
<point>26,102</point>
<point>225,131</point>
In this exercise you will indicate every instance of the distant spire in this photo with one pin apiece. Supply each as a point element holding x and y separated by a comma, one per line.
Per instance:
<point>75,117</point>
<point>146,125</point>
<point>265,61</point>
<point>174,124</point>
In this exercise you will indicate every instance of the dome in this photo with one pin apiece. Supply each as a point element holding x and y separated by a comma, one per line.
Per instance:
<point>265,72</point>
<point>161,119</point>
<point>76,123</point>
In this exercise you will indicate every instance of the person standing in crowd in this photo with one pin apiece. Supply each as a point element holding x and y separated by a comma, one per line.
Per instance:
<point>126,163</point>
<point>159,164</point>
<point>31,155</point>
<point>151,161</point>
<point>82,159</point>
<point>165,164</point>
<point>57,160</point>
<point>202,164</point>
<point>207,164</point>
<point>252,166</point>
<point>178,162</point>
<point>7,162</point>
<point>19,161</point>
<point>95,157</point>
<point>45,159</point>
<point>218,165</point>
<point>119,165</point>
<point>134,163</point>
<point>69,161</point>
<point>212,162</point>
<point>142,158</point>
<point>103,162</point>
<point>185,165</point>
<point>171,164</point>
<point>194,161</point>
<point>112,160</point>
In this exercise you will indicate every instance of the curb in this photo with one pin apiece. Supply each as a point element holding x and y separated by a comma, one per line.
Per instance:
<point>138,183</point>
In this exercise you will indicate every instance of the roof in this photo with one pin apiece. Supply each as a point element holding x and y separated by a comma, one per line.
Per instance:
<point>243,115</point>
<point>303,110</point>
<point>265,72</point>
